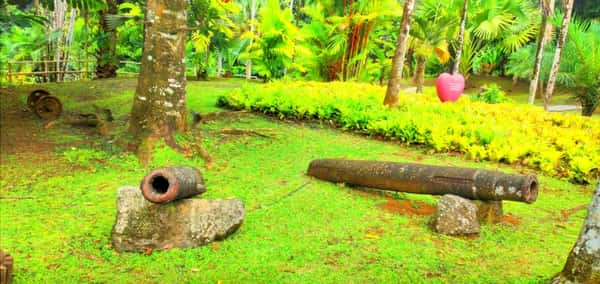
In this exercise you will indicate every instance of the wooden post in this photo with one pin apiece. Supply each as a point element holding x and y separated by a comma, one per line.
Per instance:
<point>46,75</point>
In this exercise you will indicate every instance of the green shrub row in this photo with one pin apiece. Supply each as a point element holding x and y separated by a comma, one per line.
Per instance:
<point>565,146</point>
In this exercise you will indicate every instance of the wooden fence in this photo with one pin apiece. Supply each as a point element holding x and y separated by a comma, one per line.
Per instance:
<point>48,70</point>
<point>84,68</point>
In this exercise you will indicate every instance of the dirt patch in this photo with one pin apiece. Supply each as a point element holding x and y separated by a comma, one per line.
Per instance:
<point>407,207</point>
<point>22,131</point>
<point>511,220</point>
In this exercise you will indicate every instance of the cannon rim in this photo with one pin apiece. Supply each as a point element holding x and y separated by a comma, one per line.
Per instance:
<point>153,187</point>
<point>529,188</point>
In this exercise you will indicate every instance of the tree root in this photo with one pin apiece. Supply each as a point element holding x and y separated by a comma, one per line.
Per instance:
<point>200,119</point>
<point>237,131</point>
<point>101,119</point>
<point>194,146</point>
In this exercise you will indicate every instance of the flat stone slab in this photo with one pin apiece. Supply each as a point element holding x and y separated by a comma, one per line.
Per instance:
<point>184,223</point>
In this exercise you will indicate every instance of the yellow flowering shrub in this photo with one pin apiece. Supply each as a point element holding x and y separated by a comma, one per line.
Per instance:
<point>559,145</point>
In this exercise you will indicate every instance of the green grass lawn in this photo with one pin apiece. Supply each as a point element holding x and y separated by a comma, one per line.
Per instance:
<point>58,206</point>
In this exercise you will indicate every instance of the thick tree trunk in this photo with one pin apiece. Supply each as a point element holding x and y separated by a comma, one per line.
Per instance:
<point>420,73</point>
<point>583,264</point>
<point>391,95</point>
<point>545,29</point>
<point>159,104</point>
<point>461,38</point>
<point>568,9</point>
<point>106,66</point>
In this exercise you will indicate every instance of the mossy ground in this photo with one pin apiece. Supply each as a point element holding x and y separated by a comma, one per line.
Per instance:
<point>58,189</point>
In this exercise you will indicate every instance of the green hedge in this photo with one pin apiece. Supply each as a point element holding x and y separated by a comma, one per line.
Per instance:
<point>565,146</point>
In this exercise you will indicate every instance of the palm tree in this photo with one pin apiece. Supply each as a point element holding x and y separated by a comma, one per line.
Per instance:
<point>578,67</point>
<point>252,7</point>
<point>325,41</point>
<point>504,25</point>
<point>339,34</point>
<point>547,11</point>
<point>363,16</point>
<point>461,37</point>
<point>559,47</point>
<point>391,94</point>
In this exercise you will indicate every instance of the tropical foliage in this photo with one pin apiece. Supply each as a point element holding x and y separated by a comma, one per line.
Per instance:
<point>275,44</point>
<point>327,40</point>
<point>579,66</point>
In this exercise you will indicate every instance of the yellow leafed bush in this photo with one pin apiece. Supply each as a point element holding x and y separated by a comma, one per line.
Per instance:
<point>559,145</point>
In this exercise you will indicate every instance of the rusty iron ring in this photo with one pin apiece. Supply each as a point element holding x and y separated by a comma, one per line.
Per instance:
<point>35,96</point>
<point>48,108</point>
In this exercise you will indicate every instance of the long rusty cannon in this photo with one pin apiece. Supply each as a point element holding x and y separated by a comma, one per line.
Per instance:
<point>424,179</point>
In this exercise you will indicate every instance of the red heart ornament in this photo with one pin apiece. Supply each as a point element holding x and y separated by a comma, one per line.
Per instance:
<point>450,87</point>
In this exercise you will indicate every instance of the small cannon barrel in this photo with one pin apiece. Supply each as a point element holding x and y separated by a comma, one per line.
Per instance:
<point>164,185</point>
<point>424,179</point>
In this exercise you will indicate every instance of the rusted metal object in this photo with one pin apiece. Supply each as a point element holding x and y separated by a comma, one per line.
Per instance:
<point>6,267</point>
<point>167,184</point>
<point>424,179</point>
<point>35,96</point>
<point>44,105</point>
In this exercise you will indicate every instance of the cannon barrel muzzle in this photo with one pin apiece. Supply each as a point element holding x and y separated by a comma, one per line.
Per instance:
<point>424,179</point>
<point>163,185</point>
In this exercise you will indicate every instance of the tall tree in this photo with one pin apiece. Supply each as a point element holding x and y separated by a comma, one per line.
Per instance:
<point>583,264</point>
<point>252,9</point>
<point>564,28</point>
<point>106,54</point>
<point>159,103</point>
<point>393,88</point>
<point>547,9</point>
<point>461,37</point>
